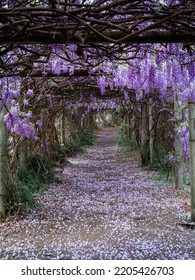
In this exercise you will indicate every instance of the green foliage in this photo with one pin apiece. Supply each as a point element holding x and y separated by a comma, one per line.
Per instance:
<point>26,178</point>
<point>164,178</point>
<point>160,161</point>
<point>42,169</point>
<point>186,179</point>
<point>72,146</point>
<point>145,155</point>
<point>27,183</point>
<point>25,196</point>
<point>79,142</point>
<point>105,119</point>
<point>125,145</point>
<point>87,138</point>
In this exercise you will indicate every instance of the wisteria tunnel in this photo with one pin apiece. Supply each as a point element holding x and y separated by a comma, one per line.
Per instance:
<point>97,129</point>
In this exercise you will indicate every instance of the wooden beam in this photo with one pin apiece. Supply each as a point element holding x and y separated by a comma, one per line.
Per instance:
<point>44,37</point>
<point>49,74</point>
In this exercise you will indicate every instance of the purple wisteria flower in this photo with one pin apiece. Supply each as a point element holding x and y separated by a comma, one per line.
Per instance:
<point>29,92</point>
<point>25,102</point>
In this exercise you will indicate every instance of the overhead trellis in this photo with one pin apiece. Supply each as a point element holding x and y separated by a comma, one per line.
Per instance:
<point>94,22</point>
<point>114,30</point>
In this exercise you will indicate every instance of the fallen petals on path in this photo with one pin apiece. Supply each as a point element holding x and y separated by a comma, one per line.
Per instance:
<point>107,207</point>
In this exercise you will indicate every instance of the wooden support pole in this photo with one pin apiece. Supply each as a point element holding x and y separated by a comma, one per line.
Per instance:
<point>63,127</point>
<point>178,148</point>
<point>133,127</point>
<point>3,163</point>
<point>151,131</point>
<point>129,124</point>
<point>126,126</point>
<point>191,110</point>
<point>82,122</point>
<point>144,133</point>
<point>143,123</point>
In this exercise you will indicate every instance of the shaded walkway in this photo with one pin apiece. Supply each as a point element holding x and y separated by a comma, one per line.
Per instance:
<point>107,208</point>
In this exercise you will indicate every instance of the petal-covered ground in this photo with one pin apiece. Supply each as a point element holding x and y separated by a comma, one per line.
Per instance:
<point>108,207</point>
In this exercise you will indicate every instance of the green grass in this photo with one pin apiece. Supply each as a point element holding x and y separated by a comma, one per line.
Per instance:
<point>125,145</point>
<point>160,161</point>
<point>26,184</point>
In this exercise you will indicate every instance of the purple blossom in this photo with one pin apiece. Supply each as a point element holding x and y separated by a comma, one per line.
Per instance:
<point>29,115</point>
<point>172,159</point>
<point>19,123</point>
<point>102,84</point>
<point>71,70</point>
<point>39,124</point>
<point>50,100</point>
<point>29,92</point>
<point>44,73</point>
<point>25,102</point>
<point>56,67</point>
<point>65,69</point>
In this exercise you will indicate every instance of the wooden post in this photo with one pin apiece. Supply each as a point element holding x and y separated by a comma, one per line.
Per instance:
<point>144,133</point>
<point>151,131</point>
<point>143,123</point>
<point>133,127</point>
<point>191,109</point>
<point>3,163</point>
<point>126,125</point>
<point>63,127</point>
<point>129,125</point>
<point>178,148</point>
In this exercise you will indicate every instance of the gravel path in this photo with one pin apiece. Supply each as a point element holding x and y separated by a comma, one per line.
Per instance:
<point>108,207</point>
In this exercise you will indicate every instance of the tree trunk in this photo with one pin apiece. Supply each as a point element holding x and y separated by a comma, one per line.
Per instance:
<point>191,108</point>
<point>3,163</point>
<point>178,149</point>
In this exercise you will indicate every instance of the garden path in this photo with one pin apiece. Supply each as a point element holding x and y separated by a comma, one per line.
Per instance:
<point>108,207</point>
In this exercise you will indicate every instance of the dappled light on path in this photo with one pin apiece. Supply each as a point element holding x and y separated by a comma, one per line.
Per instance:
<point>107,207</point>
